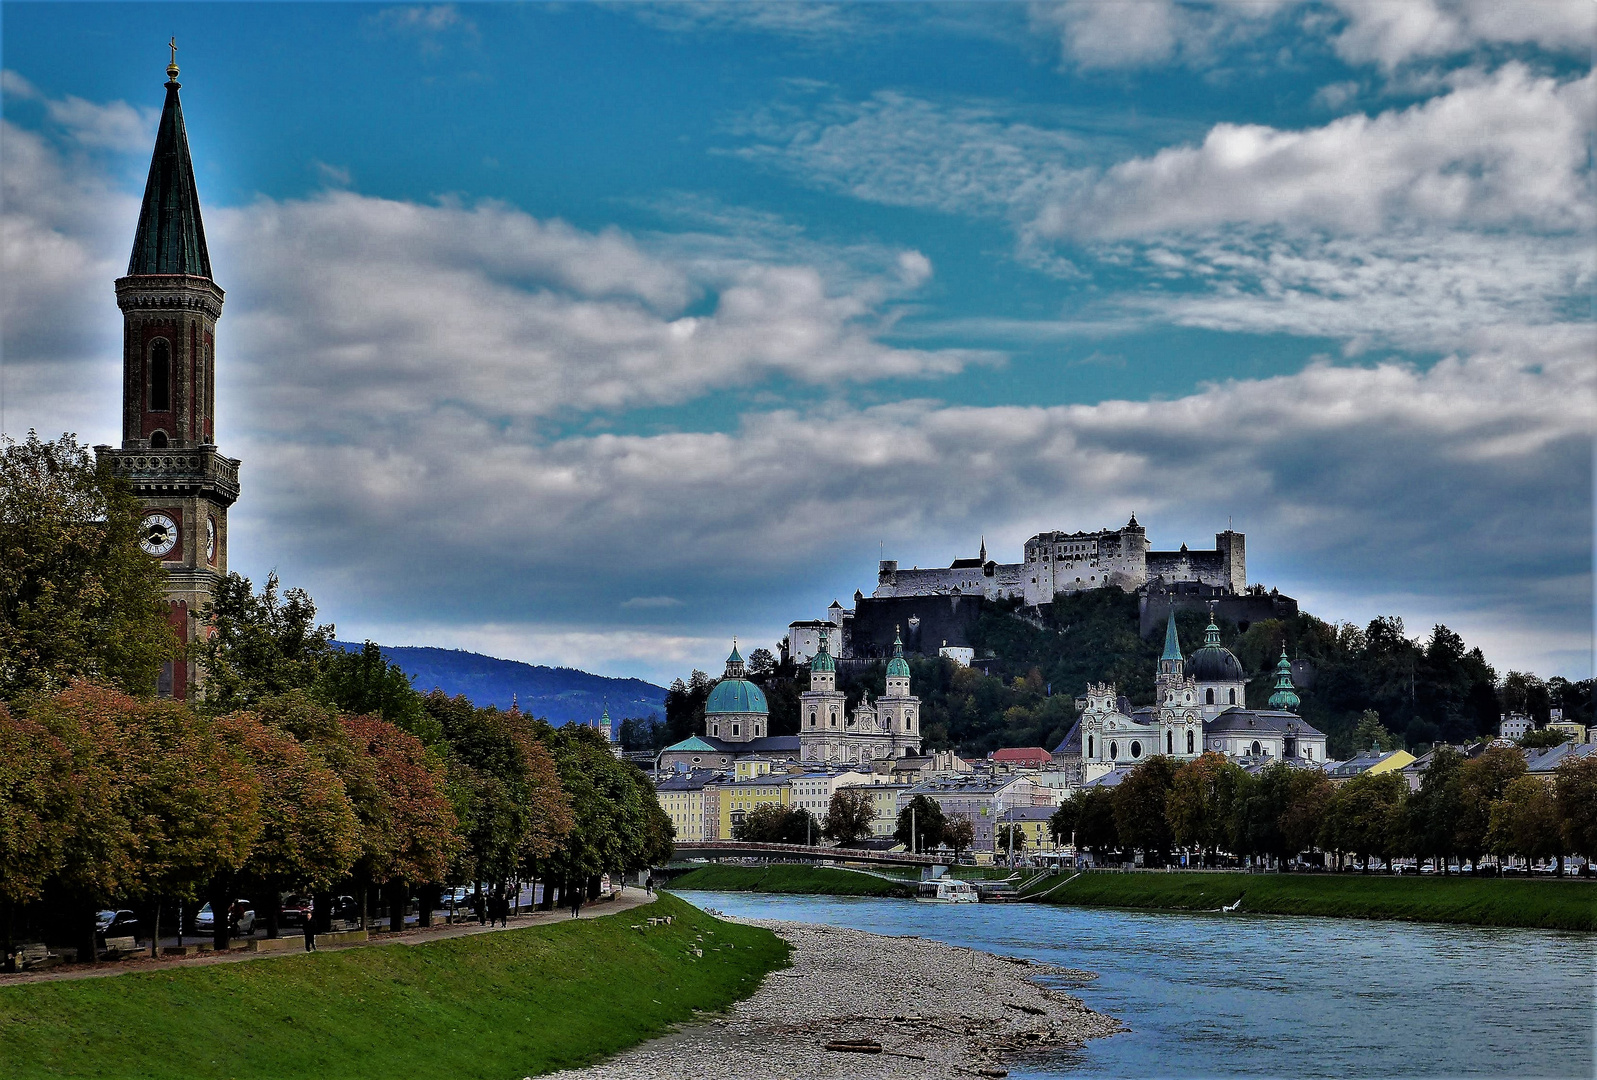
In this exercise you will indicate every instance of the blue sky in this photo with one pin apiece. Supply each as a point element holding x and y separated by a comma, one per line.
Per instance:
<point>595,334</point>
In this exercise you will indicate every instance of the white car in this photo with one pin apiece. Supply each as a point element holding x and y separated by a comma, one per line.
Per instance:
<point>243,915</point>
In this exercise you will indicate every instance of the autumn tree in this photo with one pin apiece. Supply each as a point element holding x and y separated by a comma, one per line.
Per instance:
<point>310,836</point>
<point>1202,801</point>
<point>78,598</point>
<point>1309,795</point>
<point>959,834</point>
<point>1363,817</point>
<point>849,816</point>
<point>35,800</point>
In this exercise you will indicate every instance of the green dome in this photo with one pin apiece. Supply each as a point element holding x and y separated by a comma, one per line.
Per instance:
<point>898,667</point>
<point>736,696</point>
<point>823,660</point>
<point>1285,697</point>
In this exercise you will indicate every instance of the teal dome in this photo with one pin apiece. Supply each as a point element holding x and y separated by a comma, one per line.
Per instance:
<point>823,660</point>
<point>898,667</point>
<point>736,696</point>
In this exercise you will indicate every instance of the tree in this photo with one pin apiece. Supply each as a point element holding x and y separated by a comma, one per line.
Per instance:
<point>1309,794</point>
<point>35,801</point>
<point>1364,817</point>
<point>1524,822</point>
<point>1575,785</point>
<point>1541,738</point>
<point>920,824</point>
<point>761,825</point>
<point>365,684</point>
<point>1433,810</point>
<point>1139,802</point>
<point>262,646</point>
<point>761,662</point>
<point>1482,780</point>
<point>849,816</point>
<point>959,834</point>
<point>1371,733</point>
<point>1010,838</point>
<point>1202,803</point>
<point>310,836</point>
<point>78,599</point>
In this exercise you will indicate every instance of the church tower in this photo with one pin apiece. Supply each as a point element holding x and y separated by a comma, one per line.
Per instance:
<point>821,718</point>
<point>898,710</point>
<point>170,306</point>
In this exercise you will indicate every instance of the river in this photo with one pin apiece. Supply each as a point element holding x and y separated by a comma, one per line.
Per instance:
<point>1257,995</point>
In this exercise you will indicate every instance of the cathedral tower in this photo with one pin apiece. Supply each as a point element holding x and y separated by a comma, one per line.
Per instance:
<point>170,306</point>
<point>898,709</point>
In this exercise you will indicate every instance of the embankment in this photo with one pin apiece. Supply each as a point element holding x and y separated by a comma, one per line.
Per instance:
<point>512,1003</point>
<point>798,880</point>
<point>1547,905</point>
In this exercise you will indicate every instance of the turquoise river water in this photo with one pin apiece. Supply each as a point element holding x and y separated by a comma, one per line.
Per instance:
<point>1255,995</point>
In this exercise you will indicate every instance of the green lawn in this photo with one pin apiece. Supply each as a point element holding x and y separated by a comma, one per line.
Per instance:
<point>788,879</point>
<point>501,1005</point>
<point>1553,905</point>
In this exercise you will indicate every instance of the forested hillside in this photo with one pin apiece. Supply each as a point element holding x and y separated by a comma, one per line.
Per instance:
<point>558,695</point>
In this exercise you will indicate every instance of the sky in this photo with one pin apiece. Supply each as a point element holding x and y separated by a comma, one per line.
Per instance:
<point>596,334</point>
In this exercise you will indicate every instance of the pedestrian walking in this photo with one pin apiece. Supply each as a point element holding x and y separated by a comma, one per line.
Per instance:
<point>576,902</point>
<point>648,885</point>
<point>504,911</point>
<point>310,927</point>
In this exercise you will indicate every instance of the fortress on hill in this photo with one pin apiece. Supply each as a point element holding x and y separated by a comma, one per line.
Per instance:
<point>1059,562</point>
<point>937,608</point>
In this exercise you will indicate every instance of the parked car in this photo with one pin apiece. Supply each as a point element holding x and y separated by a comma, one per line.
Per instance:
<point>294,911</point>
<point>242,915</point>
<point>118,923</point>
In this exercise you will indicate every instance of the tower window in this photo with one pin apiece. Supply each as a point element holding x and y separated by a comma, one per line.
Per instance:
<point>1169,742</point>
<point>1089,746</point>
<point>1208,696</point>
<point>160,377</point>
<point>1189,742</point>
<point>1233,695</point>
<point>1136,749</point>
<point>158,440</point>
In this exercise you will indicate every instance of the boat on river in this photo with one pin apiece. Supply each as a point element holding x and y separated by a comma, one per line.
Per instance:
<point>947,890</point>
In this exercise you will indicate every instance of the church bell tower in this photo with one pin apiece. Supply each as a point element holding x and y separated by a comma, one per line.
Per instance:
<point>170,306</point>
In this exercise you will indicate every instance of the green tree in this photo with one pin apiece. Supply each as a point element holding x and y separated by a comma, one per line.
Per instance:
<point>78,598</point>
<point>1010,838</point>
<point>1309,795</point>
<point>924,816</point>
<point>1482,780</point>
<point>1364,817</point>
<point>1433,810</point>
<point>849,816</point>
<point>263,645</point>
<point>1140,808</point>
<point>1525,822</point>
<point>1575,785</point>
<point>765,824</point>
<point>1370,732</point>
<point>365,684</point>
<point>1541,738</point>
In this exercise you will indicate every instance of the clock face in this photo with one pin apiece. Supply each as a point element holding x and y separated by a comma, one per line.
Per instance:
<point>157,534</point>
<point>210,539</point>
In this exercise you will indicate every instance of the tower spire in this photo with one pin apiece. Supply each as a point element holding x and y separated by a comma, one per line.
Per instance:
<point>171,237</point>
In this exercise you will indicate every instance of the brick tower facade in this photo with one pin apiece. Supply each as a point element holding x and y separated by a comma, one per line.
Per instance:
<point>170,306</point>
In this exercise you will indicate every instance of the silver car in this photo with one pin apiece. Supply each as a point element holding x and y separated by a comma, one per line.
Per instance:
<point>243,915</point>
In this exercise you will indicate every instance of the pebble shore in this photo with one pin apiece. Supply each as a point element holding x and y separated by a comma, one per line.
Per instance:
<point>936,1010</point>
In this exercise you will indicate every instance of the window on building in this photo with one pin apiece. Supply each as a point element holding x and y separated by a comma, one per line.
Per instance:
<point>1208,697</point>
<point>1189,742</point>
<point>1114,750</point>
<point>1255,747</point>
<point>1169,742</point>
<point>1136,749</point>
<point>734,729</point>
<point>158,440</point>
<point>160,377</point>
<point>1233,695</point>
<point>1089,746</point>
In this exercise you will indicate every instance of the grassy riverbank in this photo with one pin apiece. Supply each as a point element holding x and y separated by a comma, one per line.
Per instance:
<point>1550,905</point>
<point>506,1004</point>
<point>814,880</point>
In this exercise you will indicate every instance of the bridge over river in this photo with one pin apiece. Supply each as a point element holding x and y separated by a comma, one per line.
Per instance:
<point>742,849</point>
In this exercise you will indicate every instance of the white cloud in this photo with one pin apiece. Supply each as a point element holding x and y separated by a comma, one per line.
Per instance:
<point>1111,34</point>
<point>1391,34</point>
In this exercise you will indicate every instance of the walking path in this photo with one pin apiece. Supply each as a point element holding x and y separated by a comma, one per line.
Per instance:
<point>628,898</point>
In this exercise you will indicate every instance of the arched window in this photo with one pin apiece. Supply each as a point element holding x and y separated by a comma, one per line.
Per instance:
<point>1089,746</point>
<point>1189,742</point>
<point>1136,749</point>
<point>160,377</point>
<point>1114,750</point>
<point>812,718</point>
<point>1255,747</point>
<point>1169,742</point>
<point>157,440</point>
<point>1233,693</point>
<point>1208,696</point>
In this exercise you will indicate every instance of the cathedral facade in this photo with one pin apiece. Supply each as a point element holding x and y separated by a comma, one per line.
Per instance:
<point>1200,705</point>
<point>170,305</point>
<point>887,728</point>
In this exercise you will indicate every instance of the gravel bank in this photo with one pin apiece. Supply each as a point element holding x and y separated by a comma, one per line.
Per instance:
<point>935,1010</point>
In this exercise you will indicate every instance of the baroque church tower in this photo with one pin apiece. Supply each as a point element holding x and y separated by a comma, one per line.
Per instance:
<point>170,305</point>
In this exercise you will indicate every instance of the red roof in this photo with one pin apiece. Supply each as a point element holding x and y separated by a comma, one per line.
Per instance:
<point>1017,754</point>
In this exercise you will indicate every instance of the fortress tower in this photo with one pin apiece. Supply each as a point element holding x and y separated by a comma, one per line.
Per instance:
<point>170,306</point>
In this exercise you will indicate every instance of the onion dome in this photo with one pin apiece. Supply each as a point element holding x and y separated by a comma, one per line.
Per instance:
<point>898,667</point>
<point>823,660</point>
<point>1285,697</point>
<point>1214,662</point>
<point>734,693</point>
